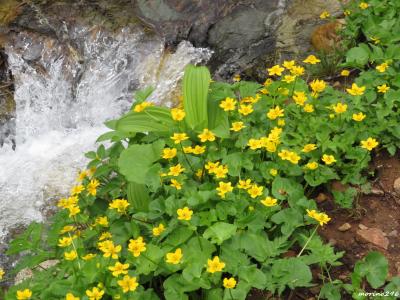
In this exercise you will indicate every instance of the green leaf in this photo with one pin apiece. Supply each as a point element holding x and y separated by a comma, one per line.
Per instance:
<point>220,232</point>
<point>136,160</point>
<point>178,237</point>
<point>138,196</point>
<point>218,121</point>
<point>152,119</point>
<point>358,56</point>
<point>374,267</point>
<point>290,219</point>
<point>149,260</point>
<point>330,291</point>
<point>196,81</point>
<point>142,95</point>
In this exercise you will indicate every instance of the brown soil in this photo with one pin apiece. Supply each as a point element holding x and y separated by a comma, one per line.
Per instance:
<point>380,210</point>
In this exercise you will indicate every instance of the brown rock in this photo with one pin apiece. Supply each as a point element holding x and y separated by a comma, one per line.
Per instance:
<point>321,197</point>
<point>374,236</point>
<point>396,186</point>
<point>338,186</point>
<point>344,227</point>
<point>362,226</point>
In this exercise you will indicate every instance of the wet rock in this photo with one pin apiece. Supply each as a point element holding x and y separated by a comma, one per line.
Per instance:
<point>396,186</point>
<point>393,233</point>
<point>344,227</point>
<point>374,236</point>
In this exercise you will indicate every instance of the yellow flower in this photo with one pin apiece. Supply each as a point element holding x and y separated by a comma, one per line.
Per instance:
<point>299,98</point>
<point>281,122</point>
<point>95,294</point>
<point>383,88</point>
<point>294,158</point>
<point>64,242</point>
<point>199,173</point>
<point>199,149</point>
<point>158,230</point>
<point>311,59</point>
<point>119,269</point>
<point>174,257</point>
<point>72,255</point>
<point>269,201</point>
<point>254,191</point>
<point>364,5</point>
<point>369,144</point>
<point>88,256</point>
<point>128,284</point>
<point>184,214</point>
<point>73,210</point>
<point>169,153</point>
<point>228,104</point>
<point>382,67</point>
<point>176,184</point>
<point>179,137</point>
<point>355,90</point>
<point>221,171</point>
<point>71,296</point>
<point>188,150</point>
<point>237,126</point>
<point>275,70</point>
<point>211,166</point>
<point>318,86</point>
<point>328,159</point>
<point>264,91</point>
<point>312,165</point>
<point>137,246</point>
<point>244,184</point>
<point>102,221</point>
<point>67,228</point>
<point>275,113</point>
<point>321,218</point>
<point>283,91</point>
<point>92,187</point>
<point>289,78</point>
<point>309,147</point>
<point>273,172</point>
<point>229,283</point>
<point>177,114</point>
<point>236,78</point>
<point>105,236</point>
<point>76,190</point>
<point>324,15</point>
<point>176,170</point>
<point>347,12</point>
<point>358,117</point>
<point>246,109</point>
<point>268,82</point>
<point>223,188</point>
<point>309,108</point>
<point>254,144</point>
<point>288,64</point>
<point>340,108</point>
<point>24,294</point>
<point>297,70</point>
<point>215,265</point>
<point>2,273</point>
<point>142,106</point>
<point>82,175</point>
<point>345,73</point>
<point>119,204</point>
<point>206,135</point>
<point>109,249</point>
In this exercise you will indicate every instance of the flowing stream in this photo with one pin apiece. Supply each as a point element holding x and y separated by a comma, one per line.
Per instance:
<point>64,91</point>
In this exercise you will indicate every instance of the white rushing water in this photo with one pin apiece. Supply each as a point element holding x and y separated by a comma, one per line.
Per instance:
<point>64,93</point>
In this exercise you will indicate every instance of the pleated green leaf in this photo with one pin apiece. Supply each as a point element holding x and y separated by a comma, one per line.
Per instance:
<point>196,82</point>
<point>152,119</point>
<point>138,196</point>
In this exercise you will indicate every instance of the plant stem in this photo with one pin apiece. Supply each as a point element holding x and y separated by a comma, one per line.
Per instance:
<point>308,240</point>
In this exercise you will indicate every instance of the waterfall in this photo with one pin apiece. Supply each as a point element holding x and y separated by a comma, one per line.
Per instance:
<point>64,91</point>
